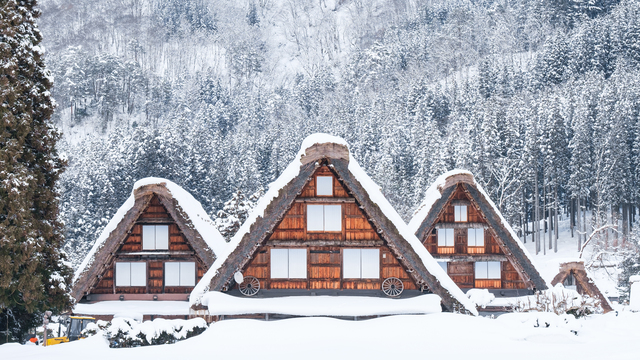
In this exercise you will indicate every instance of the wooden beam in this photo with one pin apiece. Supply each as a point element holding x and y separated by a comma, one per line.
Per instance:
<point>144,221</point>
<point>298,243</point>
<point>460,225</point>
<point>325,200</point>
<point>460,202</point>
<point>470,258</point>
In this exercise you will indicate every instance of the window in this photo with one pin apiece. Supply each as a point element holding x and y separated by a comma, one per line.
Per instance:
<point>288,263</point>
<point>180,274</point>
<point>460,213</point>
<point>445,237</point>
<point>475,237</point>
<point>488,270</point>
<point>324,185</point>
<point>443,265</point>
<point>361,263</point>
<point>131,274</point>
<point>570,282</point>
<point>324,218</point>
<point>155,237</point>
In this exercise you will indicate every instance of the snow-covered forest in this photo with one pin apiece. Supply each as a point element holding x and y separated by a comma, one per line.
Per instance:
<point>539,99</point>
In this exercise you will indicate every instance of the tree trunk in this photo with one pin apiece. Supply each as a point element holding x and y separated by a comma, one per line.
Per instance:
<point>572,218</point>
<point>555,214</point>
<point>584,220</point>
<point>625,222</point>
<point>544,215</point>
<point>578,223</point>
<point>536,223</point>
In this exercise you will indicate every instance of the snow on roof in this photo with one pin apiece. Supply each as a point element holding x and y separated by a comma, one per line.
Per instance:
<point>433,194</point>
<point>133,307</point>
<point>189,205</point>
<point>375,194</point>
<point>224,304</point>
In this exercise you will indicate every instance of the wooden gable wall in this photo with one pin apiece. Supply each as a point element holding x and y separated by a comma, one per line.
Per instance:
<point>131,251</point>
<point>325,248</point>
<point>460,257</point>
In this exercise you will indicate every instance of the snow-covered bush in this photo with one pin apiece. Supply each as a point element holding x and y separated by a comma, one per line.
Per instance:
<point>123,332</point>
<point>480,297</point>
<point>543,320</point>
<point>560,301</point>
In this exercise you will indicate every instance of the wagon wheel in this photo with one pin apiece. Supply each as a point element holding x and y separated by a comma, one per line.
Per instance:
<point>249,286</point>
<point>392,286</point>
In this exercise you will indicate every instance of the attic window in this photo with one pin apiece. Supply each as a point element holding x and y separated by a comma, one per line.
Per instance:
<point>570,282</point>
<point>443,265</point>
<point>324,185</point>
<point>324,218</point>
<point>155,237</point>
<point>180,274</point>
<point>460,213</point>
<point>361,264</point>
<point>288,263</point>
<point>131,274</point>
<point>487,269</point>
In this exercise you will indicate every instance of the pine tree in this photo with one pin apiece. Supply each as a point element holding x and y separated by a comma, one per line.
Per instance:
<point>33,274</point>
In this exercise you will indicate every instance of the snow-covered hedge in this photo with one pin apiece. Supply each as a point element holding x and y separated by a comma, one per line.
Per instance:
<point>560,301</point>
<point>126,332</point>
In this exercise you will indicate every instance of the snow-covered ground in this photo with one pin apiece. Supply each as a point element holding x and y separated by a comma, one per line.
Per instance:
<point>445,335</point>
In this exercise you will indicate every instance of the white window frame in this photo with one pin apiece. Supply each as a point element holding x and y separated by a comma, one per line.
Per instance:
<point>446,237</point>
<point>460,213</point>
<point>486,270</point>
<point>366,264</point>
<point>329,219</point>
<point>296,264</point>
<point>475,237</point>
<point>153,239</point>
<point>324,190</point>
<point>186,273</point>
<point>125,275</point>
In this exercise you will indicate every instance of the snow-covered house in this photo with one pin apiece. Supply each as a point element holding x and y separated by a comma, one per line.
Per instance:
<point>465,232</point>
<point>324,240</point>
<point>150,255</point>
<point>573,275</point>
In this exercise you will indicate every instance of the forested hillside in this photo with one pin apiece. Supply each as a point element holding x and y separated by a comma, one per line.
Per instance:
<point>539,99</point>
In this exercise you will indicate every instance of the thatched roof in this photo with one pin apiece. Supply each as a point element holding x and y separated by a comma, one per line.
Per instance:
<point>438,196</point>
<point>186,211</point>
<point>584,281</point>
<point>278,200</point>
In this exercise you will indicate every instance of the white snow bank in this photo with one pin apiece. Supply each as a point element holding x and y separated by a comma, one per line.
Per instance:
<point>435,335</point>
<point>481,297</point>
<point>191,207</point>
<point>122,308</point>
<point>557,299</point>
<point>634,295</point>
<point>375,194</point>
<point>222,304</point>
<point>542,320</point>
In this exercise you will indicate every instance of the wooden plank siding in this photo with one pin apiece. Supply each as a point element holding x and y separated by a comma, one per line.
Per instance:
<point>131,251</point>
<point>462,272</point>
<point>324,262</point>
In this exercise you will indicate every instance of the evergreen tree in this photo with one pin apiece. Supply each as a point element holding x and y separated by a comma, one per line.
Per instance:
<point>33,273</point>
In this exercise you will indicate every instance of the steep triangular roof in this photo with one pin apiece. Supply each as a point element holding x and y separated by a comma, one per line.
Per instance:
<point>280,197</point>
<point>584,280</point>
<point>439,195</point>
<point>185,210</point>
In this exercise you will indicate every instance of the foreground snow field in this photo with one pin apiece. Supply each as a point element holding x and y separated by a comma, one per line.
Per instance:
<point>451,336</point>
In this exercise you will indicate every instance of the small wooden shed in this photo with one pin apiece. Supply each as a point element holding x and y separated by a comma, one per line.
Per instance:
<point>574,275</point>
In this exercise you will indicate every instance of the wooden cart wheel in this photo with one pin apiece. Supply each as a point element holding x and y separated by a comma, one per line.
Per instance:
<point>392,286</point>
<point>249,286</point>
